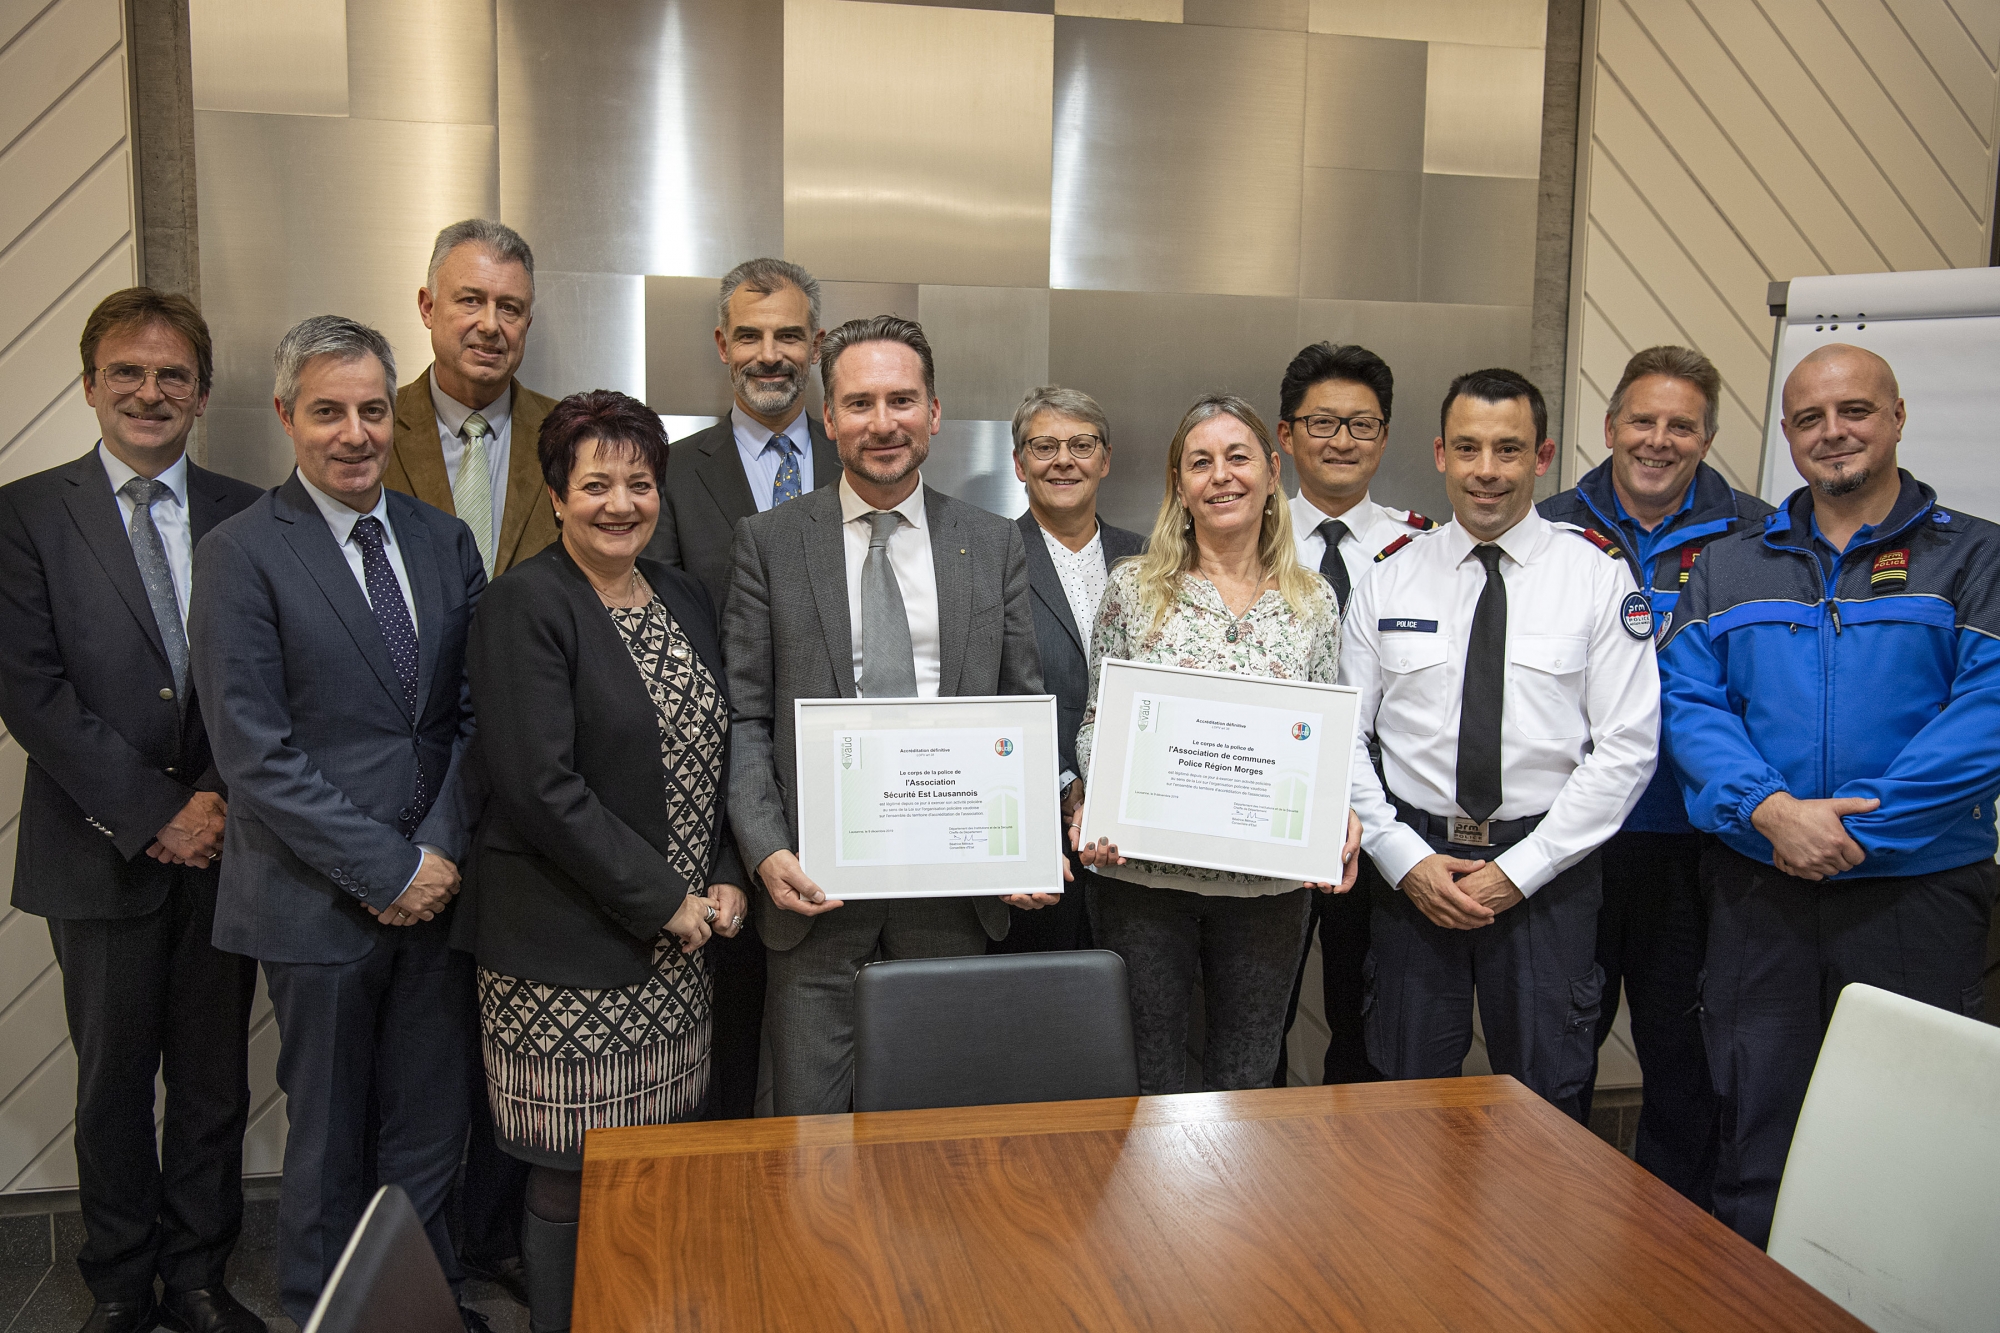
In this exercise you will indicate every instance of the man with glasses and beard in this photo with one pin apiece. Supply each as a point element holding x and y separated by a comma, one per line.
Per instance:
<point>766,451</point>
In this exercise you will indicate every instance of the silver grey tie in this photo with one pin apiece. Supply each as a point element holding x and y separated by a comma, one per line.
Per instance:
<point>151,553</point>
<point>888,662</point>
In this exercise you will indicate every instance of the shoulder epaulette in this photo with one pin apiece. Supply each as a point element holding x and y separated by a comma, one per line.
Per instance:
<point>1417,521</point>
<point>1395,546</point>
<point>1602,543</point>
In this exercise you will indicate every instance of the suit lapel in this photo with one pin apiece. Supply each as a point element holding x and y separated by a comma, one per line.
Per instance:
<point>721,471</point>
<point>825,556</point>
<point>421,564</point>
<point>94,509</point>
<point>951,567</point>
<point>312,542</point>
<point>416,445</point>
<point>524,472</point>
<point>826,459</point>
<point>1044,582</point>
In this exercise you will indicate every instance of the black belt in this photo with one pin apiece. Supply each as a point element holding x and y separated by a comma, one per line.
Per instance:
<point>1453,829</point>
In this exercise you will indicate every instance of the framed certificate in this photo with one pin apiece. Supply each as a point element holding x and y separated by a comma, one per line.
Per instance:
<point>1204,768</point>
<point>929,798</point>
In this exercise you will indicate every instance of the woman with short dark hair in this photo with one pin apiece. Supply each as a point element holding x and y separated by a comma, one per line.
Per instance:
<point>603,862</point>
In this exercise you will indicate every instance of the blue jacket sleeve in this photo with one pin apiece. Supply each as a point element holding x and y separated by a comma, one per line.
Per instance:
<point>1947,768</point>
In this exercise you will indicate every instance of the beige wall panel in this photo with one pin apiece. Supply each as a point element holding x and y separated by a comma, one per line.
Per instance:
<point>34,1025</point>
<point>1936,121</point>
<point>53,53</point>
<point>397,68</point>
<point>1483,22</point>
<point>43,362</point>
<point>16,15</point>
<point>1365,103</point>
<point>286,57</point>
<point>1483,111</point>
<point>264,1139</point>
<point>34,1126</point>
<point>956,194</point>
<point>63,431</point>
<point>1148,11</point>
<point>73,238</point>
<point>1940,28</point>
<point>45,161</point>
<point>24,946</point>
<point>991,345</point>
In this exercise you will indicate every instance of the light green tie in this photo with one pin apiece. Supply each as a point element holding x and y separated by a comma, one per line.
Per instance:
<point>472,489</point>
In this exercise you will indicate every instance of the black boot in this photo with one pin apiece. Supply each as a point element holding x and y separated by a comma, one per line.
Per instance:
<point>548,1252</point>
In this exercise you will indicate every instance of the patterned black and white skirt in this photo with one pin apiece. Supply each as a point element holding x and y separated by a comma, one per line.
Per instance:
<point>561,1059</point>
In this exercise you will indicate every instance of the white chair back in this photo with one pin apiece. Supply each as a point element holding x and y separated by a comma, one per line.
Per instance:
<point>1891,1198</point>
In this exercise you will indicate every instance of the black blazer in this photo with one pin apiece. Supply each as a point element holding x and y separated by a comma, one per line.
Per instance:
<point>82,668</point>
<point>705,493</point>
<point>1064,644</point>
<point>570,882</point>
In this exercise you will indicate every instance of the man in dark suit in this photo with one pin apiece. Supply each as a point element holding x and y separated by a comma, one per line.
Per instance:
<point>878,588</point>
<point>329,629</point>
<point>122,816</point>
<point>766,451</point>
<point>1062,454</point>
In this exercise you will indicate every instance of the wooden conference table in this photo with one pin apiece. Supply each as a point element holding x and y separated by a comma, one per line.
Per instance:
<point>1454,1204</point>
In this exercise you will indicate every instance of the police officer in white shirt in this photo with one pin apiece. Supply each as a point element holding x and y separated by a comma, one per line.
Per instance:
<point>1505,667</point>
<point>1333,419</point>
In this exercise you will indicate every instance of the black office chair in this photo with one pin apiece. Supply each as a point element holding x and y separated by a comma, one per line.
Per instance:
<point>1031,1027</point>
<point>387,1278</point>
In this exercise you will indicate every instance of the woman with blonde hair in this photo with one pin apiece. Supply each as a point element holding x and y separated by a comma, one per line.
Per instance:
<point>1218,588</point>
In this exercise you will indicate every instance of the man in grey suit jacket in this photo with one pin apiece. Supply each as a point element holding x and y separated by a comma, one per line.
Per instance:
<point>766,451</point>
<point>328,633</point>
<point>877,588</point>
<point>1062,454</point>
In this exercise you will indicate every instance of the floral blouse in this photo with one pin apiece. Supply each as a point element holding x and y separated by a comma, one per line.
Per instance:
<point>1270,641</point>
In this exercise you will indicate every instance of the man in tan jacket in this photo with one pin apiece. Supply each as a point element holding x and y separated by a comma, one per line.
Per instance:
<point>477,301</point>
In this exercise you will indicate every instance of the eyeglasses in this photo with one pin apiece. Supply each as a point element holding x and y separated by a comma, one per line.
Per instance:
<point>1044,447</point>
<point>174,382</point>
<point>1324,427</point>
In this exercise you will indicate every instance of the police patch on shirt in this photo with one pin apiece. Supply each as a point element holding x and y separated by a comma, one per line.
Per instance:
<point>1637,615</point>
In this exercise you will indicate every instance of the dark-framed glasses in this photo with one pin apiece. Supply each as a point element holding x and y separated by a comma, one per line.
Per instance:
<point>1044,447</point>
<point>1324,426</point>
<point>174,382</point>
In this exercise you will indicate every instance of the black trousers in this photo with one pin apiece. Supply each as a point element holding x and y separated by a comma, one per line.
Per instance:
<point>1651,933</point>
<point>1779,951</point>
<point>1534,969</point>
<point>1064,925</point>
<point>146,995</point>
<point>739,969</point>
<point>1245,952</point>
<point>394,1020</point>
<point>1342,922</point>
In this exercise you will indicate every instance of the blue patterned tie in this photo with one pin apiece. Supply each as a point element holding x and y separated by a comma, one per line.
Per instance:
<point>399,634</point>
<point>785,486</point>
<point>151,553</point>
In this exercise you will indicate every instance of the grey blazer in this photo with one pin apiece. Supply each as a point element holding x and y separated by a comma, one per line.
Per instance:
<point>786,636</point>
<point>705,494</point>
<point>309,726</point>
<point>1065,645</point>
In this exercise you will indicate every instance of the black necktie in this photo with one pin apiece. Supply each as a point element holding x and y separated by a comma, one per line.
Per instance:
<point>1484,694</point>
<point>1331,567</point>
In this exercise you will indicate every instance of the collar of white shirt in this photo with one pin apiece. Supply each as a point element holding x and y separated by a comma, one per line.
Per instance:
<point>453,413</point>
<point>1362,521</point>
<point>341,517</point>
<point>175,478</point>
<point>1520,543</point>
<point>755,436</point>
<point>853,506</point>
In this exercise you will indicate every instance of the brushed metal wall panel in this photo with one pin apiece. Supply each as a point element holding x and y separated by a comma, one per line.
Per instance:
<point>1365,103</point>
<point>1361,235</point>
<point>643,137</point>
<point>1483,111</point>
<point>278,245</point>
<point>974,462</point>
<point>398,67</point>
<point>1145,356</point>
<point>286,57</point>
<point>1177,158</point>
<point>991,345</point>
<point>684,376</point>
<point>1009,6</point>
<point>589,332</point>
<point>842,301</point>
<point>1426,346</point>
<point>1479,240</point>
<point>946,179</point>
<point>1288,15</point>
<point>1148,11</point>
<point>1481,22</point>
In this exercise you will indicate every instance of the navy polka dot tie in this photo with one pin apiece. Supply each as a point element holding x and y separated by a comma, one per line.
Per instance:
<point>399,634</point>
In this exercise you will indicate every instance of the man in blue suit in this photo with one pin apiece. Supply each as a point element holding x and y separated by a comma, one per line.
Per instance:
<point>328,632</point>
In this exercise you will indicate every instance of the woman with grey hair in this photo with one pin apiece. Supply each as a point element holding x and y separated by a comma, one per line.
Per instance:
<point>1219,588</point>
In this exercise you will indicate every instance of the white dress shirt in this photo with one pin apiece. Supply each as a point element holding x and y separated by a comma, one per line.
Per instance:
<point>916,579</point>
<point>341,519</point>
<point>1579,735</point>
<point>170,518</point>
<point>1370,527</point>
<point>761,461</point>
<point>499,414</point>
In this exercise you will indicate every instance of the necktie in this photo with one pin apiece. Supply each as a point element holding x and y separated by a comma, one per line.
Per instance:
<point>1483,696</point>
<point>1331,567</point>
<point>785,486</point>
<point>399,633</point>
<point>151,553</point>
<point>472,488</point>
<point>888,662</point>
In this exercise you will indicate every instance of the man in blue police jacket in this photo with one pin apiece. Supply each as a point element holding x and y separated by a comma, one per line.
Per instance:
<point>1656,503</point>
<point>1831,691</point>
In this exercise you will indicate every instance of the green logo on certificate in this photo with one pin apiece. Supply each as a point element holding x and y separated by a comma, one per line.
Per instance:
<point>928,797</point>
